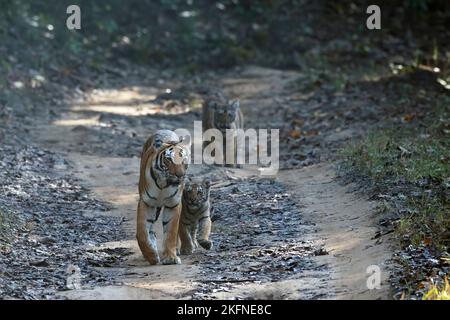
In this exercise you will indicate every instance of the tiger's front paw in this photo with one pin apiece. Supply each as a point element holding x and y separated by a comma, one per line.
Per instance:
<point>171,260</point>
<point>207,244</point>
<point>186,250</point>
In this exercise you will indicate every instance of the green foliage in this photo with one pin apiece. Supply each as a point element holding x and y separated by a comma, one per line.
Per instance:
<point>421,5</point>
<point>393,153</point>
<point>438,293</point>
<point>167,32</point>
<point>408,167</point>
<point>414,160</point>
<point>406,152</point>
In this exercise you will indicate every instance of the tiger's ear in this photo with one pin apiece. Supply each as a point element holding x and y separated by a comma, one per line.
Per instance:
<point>157,143</point>
<point>207,183</point>
<point>235,104</point>
<point>186,140</point>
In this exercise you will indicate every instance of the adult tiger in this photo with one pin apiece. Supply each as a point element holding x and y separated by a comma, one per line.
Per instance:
<point>164,162</point>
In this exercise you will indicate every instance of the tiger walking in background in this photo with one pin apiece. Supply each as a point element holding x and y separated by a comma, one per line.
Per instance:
<point>195,215</point>
<point>164,162</point>
<point>222,114</point>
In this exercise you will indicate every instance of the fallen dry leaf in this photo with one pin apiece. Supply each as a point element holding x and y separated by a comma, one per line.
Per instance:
<point>409,117</point>
<point>311,133</point>
<point>295,134</point>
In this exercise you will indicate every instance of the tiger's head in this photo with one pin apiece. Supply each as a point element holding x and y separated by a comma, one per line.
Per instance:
<point>225,114</point>
<point>173,161</point>
<point>196,192</point>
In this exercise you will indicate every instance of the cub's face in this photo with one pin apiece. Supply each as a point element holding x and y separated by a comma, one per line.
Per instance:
<point>196,193</point>
<point>225,115</point>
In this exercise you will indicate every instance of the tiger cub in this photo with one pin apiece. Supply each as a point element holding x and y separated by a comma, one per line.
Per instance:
<point>222,114</point>
<point>195,214</point>
<point>164,162</point>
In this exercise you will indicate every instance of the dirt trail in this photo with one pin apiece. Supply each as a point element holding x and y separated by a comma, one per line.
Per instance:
<point>323,217</point>
<point>346,225</point>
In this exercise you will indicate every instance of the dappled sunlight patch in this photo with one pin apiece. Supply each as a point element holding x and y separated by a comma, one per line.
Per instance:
<point>134,102</point>
<point>348,241</point>
<point>444,83</point>
<point>163,284</point>
<point>123,292</point>
<point>119,199</point>
<point>93,121</point>
<point>137,110</point>
<point>123,95</point>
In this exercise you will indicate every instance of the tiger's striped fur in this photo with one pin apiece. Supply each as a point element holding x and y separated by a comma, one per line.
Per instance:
<point>195,214</point>
<point>164,162</point>
<point>222,114</point>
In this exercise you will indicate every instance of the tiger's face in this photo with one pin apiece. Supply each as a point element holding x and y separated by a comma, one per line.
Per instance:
<point>175,160</point>
<point>225,114</point>
<point>196,193</point>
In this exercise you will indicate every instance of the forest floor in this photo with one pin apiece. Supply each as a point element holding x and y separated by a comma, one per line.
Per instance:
<point>363,179</point>
<point>301,234</point>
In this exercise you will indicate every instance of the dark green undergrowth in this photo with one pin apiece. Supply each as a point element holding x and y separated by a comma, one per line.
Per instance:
<point>201,33</point>
<point>416,161</point>
<point>408,167</point>
<point>190,36</point>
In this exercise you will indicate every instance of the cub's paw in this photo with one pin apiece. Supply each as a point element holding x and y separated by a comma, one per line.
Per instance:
<point>171,260</point>
<point>186,250</point>
<point>207,244</point>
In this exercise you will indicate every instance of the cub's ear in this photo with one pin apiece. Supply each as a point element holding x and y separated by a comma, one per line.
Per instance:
<point>235,104</point>
<point>187,182</point>
<point>207,182</point>
<point>212,105</point>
